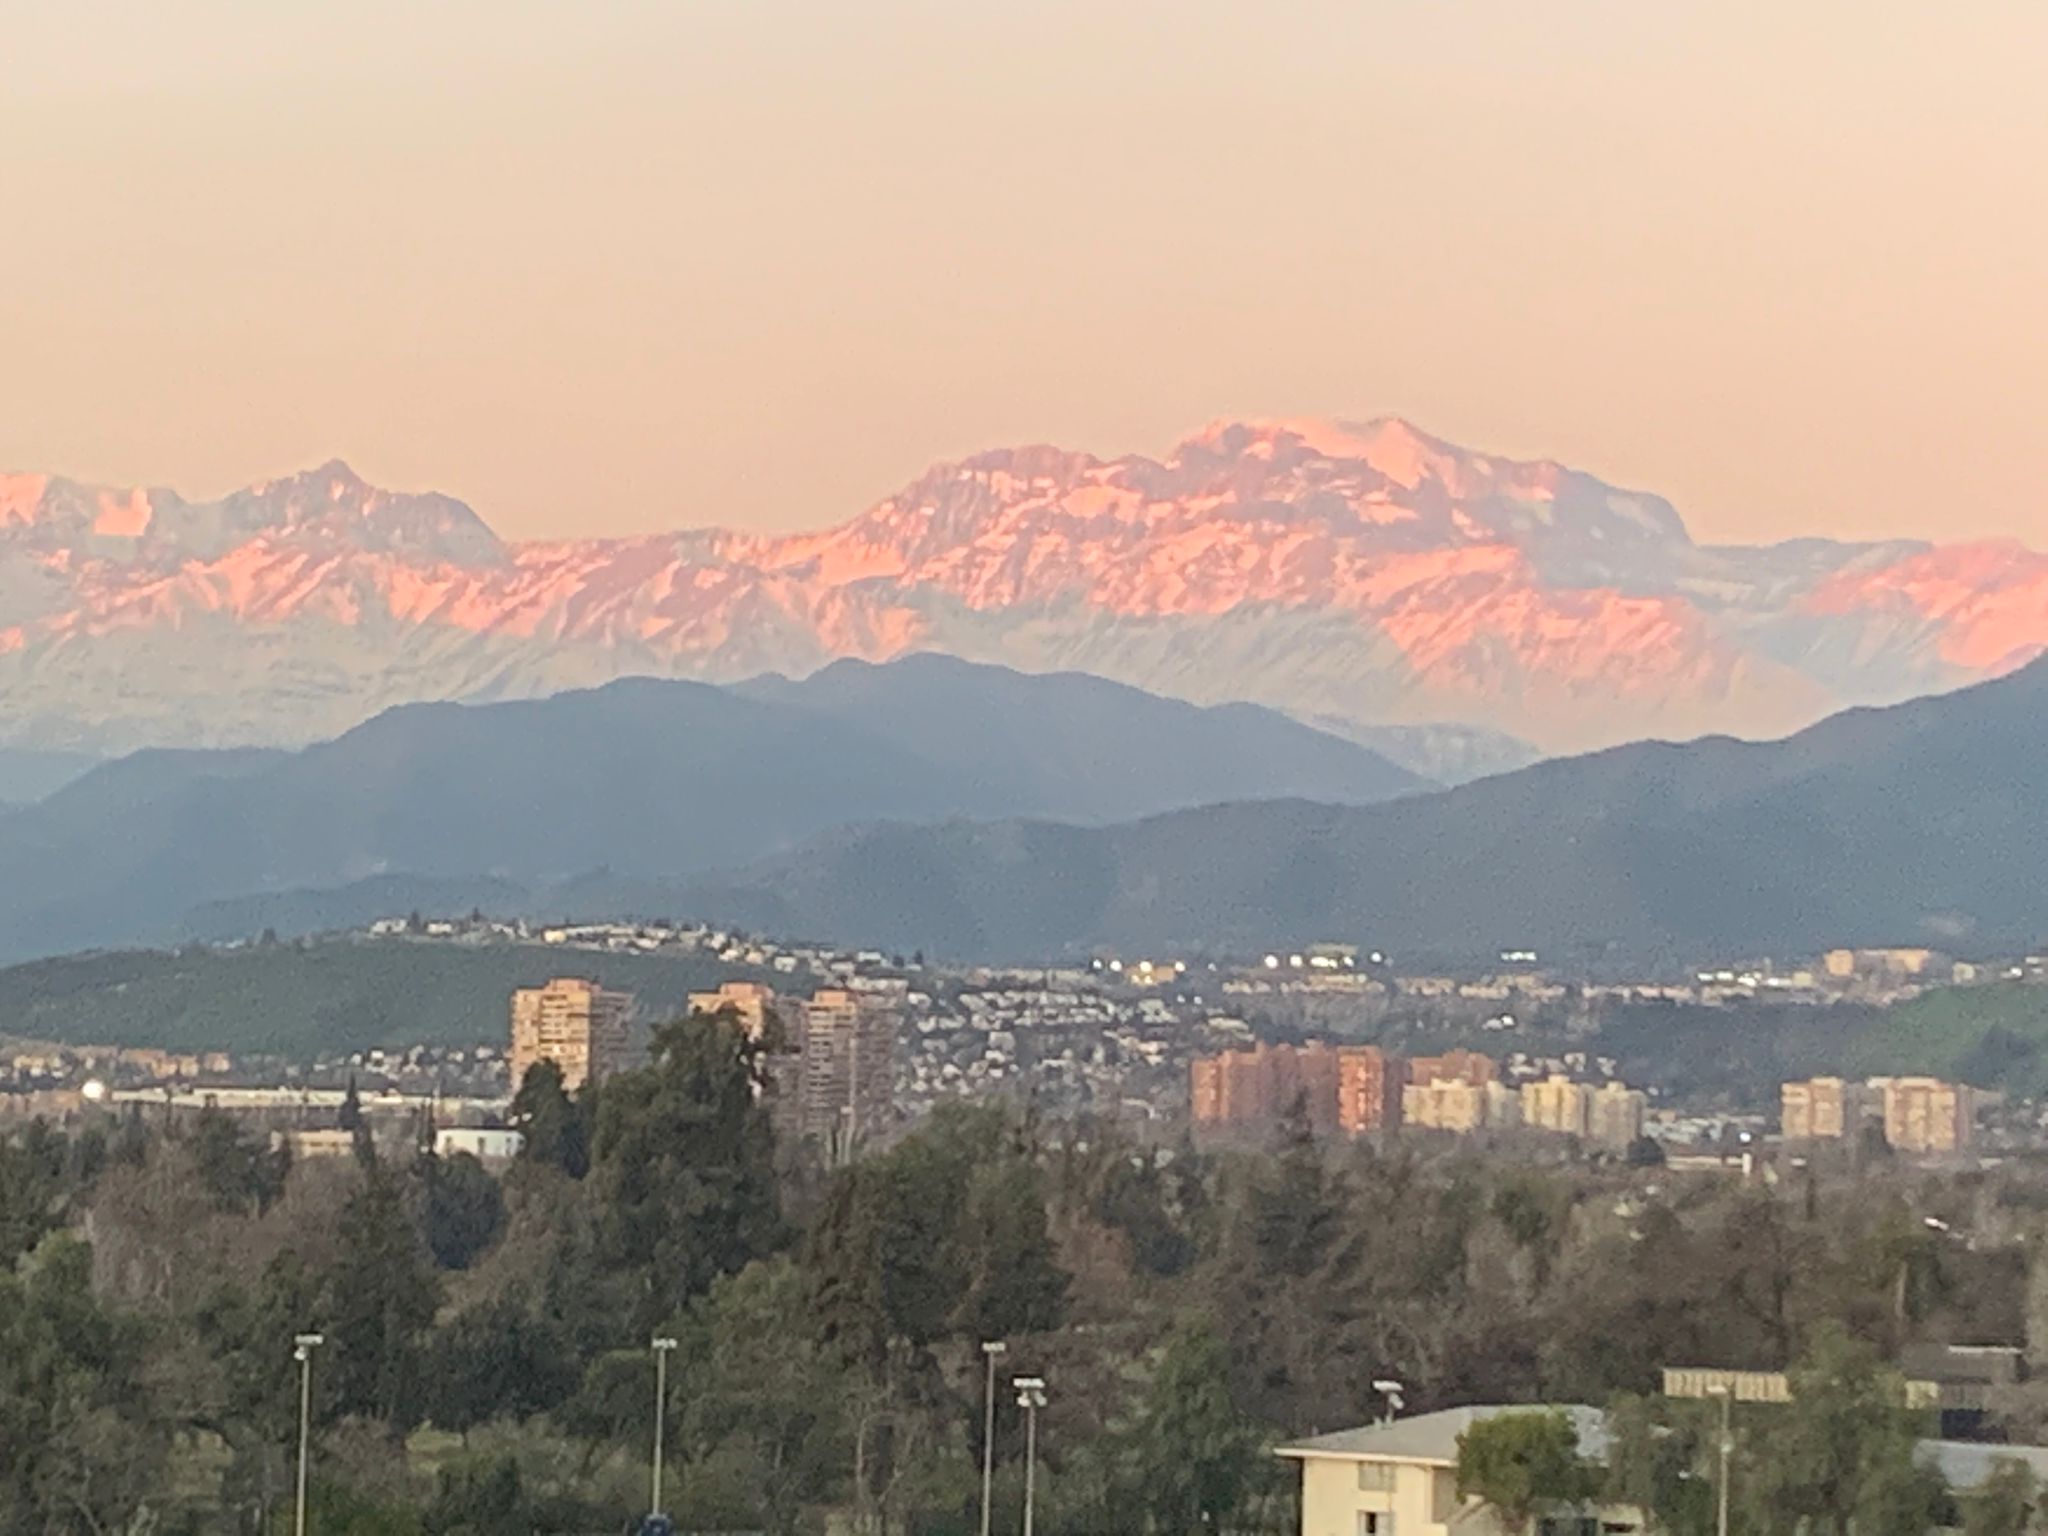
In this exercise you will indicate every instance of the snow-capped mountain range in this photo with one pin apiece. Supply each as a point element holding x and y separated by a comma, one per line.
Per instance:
<point>1359,575</point>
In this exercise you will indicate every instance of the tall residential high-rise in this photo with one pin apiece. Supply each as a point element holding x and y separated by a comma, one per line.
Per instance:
<point>1925,1114</point>
<point>751,1002</point>
<point>1819,1109</point>
<point>1352,1088</point>
<point>1614,1115</point>
<point>1555,1103</point>
<point>574,1023</point>
<point>1444,1104</point>
<point>837,1082</point>
<point>1503,1106</point>
<point>1256,1087</point>
<point>1369,1084</point>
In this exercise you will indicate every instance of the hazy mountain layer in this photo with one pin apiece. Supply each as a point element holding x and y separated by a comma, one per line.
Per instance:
<point>641,780</point>
<point>1925,823</point>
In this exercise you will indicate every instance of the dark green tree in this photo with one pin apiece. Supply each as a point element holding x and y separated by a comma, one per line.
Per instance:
<point>32,1189</point>
<point>462,1208</point>
<point>1192,1456</point>
<point>766,1396</point>
<point>81,1446</point>
<point>350,1116</point>
<point>1657,1453</point>
<point>379,1299</point>
<point>1522,1463</point>
<point>552,1125</point>
<point>1012,1283</point>
<point>683,1167</point>
<point>497,1361</point>
<point>1841,1457</point>
<point>2005,1504</point>
<point>238,1172</point>
<point>482,1498</point>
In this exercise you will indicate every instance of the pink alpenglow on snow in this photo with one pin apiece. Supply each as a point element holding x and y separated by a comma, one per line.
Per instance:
<point>1362,573</point>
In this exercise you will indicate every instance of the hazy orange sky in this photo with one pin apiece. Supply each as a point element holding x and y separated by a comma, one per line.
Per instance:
<point>605,267</point>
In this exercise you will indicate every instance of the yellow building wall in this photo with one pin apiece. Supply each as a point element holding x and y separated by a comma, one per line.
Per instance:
<point>1423,1500</point>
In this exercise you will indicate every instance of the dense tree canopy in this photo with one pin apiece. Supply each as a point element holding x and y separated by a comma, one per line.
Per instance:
<point>487,1365</point>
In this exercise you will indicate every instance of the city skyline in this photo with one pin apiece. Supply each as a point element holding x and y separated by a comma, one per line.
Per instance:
<point>758,266</point>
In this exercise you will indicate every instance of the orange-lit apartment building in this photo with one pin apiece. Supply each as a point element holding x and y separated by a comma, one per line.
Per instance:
<point>576,1024</point>
<point>1353,1089</point>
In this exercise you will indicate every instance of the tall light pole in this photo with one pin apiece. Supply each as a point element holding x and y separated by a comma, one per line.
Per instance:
<point>1727,1449</point>
<point>303,1346</point>
<point>992,1350</point>
<point>1031,1398</point>
<point>661,1348</point>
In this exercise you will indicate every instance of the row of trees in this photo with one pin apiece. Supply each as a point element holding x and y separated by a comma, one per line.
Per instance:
<point>486,1366</point>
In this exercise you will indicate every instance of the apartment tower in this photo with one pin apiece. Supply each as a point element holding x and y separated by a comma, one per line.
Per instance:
<point>576,1024</point>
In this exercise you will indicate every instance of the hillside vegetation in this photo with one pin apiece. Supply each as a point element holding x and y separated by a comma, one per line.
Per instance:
<point>1995,1037</point>
<point>297,1000</point>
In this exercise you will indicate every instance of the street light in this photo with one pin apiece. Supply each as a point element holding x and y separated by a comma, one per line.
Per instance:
<point>1394,1394</point>
<point>993,1350</point>
<point>1727,1396</point>
<point>1031,1398</point>
<point>661,1348</point>
<point>303,1346</point>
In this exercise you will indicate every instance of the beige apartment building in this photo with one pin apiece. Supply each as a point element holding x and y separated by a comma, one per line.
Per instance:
<point>1918,1114</point>
<point>1460,1105</point>
<point>1444,1104</point>
<point>751,1002</point>
<point>576,1024</point>
<point>1614,1115</point>
<point>835,1082</point>
<point>1819,1109</point>
<point>1925,1114</point>
<point>1555,1103</point>
<point>1894,964</point>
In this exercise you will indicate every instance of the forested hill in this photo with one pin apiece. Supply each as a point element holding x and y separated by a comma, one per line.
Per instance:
<point>1925,823</point>
<point>302,999</point>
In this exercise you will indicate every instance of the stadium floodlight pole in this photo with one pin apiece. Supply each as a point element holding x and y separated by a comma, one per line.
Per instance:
<point>662,1348</point>
<point>1727,1395</point>
<point>303,1346</point>
<point>992,1350</point>
<point>1031,1398</point>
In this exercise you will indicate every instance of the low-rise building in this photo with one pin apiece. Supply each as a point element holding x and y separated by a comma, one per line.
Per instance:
<point>485,1143</point>
<point>1400,1478</point>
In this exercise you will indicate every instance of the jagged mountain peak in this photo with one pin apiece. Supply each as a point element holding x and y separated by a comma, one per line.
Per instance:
<point>1360,571</point>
